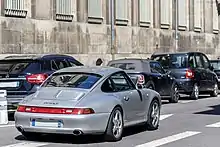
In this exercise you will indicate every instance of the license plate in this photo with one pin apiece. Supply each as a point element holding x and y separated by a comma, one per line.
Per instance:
<point>9,84</point>
<point>41,123</point>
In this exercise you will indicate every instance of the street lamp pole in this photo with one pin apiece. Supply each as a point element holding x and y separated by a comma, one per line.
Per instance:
<point>176,25</point>
<point>112,8</point>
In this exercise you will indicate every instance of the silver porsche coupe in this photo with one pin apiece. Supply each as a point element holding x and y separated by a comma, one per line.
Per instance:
<point>88,100</point>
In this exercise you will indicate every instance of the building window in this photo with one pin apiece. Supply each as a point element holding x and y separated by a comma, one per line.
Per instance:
<point>95,11</point>
<point>15,8</point>
<point>145,13</point>
<point>197,15</point>
<point>165,13</point>
<point>182,14</point>
<point>215,17</point>
<point>121,7</point>
<point>64,10</point>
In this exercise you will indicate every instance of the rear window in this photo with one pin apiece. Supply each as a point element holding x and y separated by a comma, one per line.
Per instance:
<point>124,66</point>
<point>72,80</point>
<point>133,77</point>
<point>19,66</point>
<point>172,61</point>
<point>215,64</point>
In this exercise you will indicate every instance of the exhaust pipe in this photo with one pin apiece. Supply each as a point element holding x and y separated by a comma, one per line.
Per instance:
<point>20,129</point>
<point>77,132</point>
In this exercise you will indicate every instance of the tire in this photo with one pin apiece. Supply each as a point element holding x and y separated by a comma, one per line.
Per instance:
<point>214,93</point>
<point>151,125</point>
<point>110,134</point>
<point>195,93</point>
<point>174,94</point>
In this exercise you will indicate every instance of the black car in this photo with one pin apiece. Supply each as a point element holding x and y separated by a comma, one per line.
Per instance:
<point>149,74</point>
<point>192,70</point>
<point>216,68</point>
<point>21,76</point>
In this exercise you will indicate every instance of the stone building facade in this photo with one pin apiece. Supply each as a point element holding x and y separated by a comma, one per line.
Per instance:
<point>82,27</point>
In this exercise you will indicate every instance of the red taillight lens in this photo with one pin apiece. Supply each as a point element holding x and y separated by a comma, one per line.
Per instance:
<point>141,79</point>
<point>36,78</point>
<point>76,111</point>
<point>189,74</point>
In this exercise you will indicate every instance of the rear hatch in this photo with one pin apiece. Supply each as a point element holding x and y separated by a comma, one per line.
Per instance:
<point>13,75</point>
<point>176,63</point>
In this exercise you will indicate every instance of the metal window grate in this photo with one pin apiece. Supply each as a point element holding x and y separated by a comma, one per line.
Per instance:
<point>64,10</point>
<point>15,8</point>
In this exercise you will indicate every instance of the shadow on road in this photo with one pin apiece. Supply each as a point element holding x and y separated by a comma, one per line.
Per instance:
<point>87,139</point>
<point>215,111</point>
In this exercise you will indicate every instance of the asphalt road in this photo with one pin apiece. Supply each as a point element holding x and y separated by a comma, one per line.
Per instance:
<point>186,124</point>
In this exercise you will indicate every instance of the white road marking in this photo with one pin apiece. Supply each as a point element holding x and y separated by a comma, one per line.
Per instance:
<point>215,125</point>
<point>186,101</point>
<point>169,139</point>
<point>27,144</point>
<point>162,117</point>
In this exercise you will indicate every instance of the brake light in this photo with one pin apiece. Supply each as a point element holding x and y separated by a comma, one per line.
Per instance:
<point>189,74</point>
<point>75,111</point>
<point>36,78</point>
<point>141,79</point>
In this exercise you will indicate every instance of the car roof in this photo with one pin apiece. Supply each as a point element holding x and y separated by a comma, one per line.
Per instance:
<point>34,57</point>
<point>173,53</point>
<point>101,70</point>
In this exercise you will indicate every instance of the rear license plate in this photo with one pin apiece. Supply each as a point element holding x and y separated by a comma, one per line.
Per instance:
<point>46,123</point>
<point>9,84</point>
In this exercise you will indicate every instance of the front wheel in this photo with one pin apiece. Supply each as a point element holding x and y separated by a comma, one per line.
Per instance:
<point>214,93</point>
<point>115,126</point>
<point>153,115</point>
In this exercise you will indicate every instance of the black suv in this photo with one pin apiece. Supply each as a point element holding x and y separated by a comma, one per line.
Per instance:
<point>192,70</point>
<point>22,75</point>
<point>149,74</point>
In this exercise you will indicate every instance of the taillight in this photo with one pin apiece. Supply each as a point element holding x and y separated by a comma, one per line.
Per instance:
<point>141,79</point>
<point>189,74</point>
<point>75,111</point>
<point>36,78</point>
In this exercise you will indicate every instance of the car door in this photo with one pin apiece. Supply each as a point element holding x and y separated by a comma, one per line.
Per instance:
<point>162,84</point>
<point>209,73</point>
<point>132,100</point>
<point>201,73</point>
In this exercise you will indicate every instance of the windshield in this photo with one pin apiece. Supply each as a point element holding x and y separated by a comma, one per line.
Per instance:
<point>18,66</point>
<point>172,61</point>
<point>215,64</point>
<point>72,80</point>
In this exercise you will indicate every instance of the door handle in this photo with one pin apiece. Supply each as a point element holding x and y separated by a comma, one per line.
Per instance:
<point>126,98</point>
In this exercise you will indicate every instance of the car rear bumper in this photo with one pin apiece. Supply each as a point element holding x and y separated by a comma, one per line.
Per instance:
<point>185,85</point>
<point>88,124</point>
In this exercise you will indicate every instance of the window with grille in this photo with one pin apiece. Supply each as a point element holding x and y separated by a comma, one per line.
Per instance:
<point>15,8</point>
<point>121,7</point>
<point>64,10</point>
<point>95,11</point>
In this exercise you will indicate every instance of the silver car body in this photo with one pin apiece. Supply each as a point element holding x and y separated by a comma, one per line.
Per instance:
<point>134,103</point>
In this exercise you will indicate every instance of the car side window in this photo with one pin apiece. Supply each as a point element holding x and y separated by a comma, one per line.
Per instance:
<point>205,61</point>
<point>72,63</point>
<point>192,62</point>
<point>198,61</point>
<point>156,68</point>
<point>61,64</point>
<point>121,83</point>
<point>107,86</point>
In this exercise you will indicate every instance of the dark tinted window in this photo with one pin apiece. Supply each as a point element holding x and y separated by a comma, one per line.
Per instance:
<point>205,61</point>
<point>198,61</point>
<point>124,66</point>
<point>19,66</point>
<point>156,68</point>
<point>172,61</point>
<point>61,64</point>
<point>215,64</point>
<point>72,80</point>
